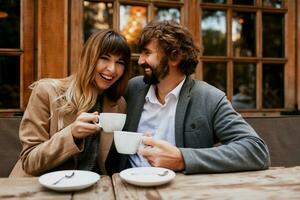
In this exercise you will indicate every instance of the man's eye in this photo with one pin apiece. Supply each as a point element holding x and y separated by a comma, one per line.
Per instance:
<point>146,52</point>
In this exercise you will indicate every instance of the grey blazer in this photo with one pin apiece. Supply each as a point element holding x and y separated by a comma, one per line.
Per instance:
<point>204,118</point>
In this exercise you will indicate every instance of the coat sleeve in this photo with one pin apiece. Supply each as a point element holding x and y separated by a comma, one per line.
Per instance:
<point>43,150</point>
<point>241,148</point>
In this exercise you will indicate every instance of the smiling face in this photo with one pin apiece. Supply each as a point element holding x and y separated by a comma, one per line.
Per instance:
<point>154,64</point>
<point>109,69</point>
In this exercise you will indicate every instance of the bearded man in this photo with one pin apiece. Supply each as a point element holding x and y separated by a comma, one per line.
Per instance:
<point>185,118</point>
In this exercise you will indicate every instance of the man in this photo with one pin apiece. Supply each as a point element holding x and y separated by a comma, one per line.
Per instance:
<point>185,118</point>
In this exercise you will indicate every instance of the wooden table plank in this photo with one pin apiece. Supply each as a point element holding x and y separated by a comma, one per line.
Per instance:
<point>275,183</point>
<point>28,188</point>
<point>102,190</point>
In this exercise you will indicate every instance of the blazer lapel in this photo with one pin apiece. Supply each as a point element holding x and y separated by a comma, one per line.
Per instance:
<point>135,111</point>
<point>183,102</point>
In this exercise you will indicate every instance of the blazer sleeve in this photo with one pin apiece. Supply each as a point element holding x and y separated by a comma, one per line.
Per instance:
<point>43,150</point>
<point>241,148</point>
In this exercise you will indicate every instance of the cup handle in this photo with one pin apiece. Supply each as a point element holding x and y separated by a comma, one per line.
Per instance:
<point>99,122</point>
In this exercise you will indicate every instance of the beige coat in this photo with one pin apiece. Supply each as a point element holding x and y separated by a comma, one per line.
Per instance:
<point>44,146</point>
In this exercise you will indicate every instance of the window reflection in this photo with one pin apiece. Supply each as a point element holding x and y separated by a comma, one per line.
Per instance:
<point>9,24</point>
<point>168,14</point>
<point>244,2</point>
<point>244,83</point>
<point>272,3</point>
<point>97,16</point>
<point>273,84</point>
<point>273,33</point>
<point>9,82</point>
<point>215,74</point>
<point>136,70</point>
<point>132,21</point>
<point>214,1</point>
<point>243,34</point>
<point>214,32</point>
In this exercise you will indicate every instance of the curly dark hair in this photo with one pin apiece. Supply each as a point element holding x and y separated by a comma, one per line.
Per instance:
<point>174,40</point>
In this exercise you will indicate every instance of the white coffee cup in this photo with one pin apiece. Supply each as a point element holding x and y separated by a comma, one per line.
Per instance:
<point>111,122</point>
<point>127,142</point>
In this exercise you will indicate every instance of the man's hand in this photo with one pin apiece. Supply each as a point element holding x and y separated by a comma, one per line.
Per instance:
<point>160,153</point>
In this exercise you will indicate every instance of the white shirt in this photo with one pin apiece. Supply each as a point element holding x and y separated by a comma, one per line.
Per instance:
<point>157,119</point>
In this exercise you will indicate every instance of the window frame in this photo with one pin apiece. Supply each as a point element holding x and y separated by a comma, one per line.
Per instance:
<point>26,53</point>
<point>288,59</point>
<point>191,17</point>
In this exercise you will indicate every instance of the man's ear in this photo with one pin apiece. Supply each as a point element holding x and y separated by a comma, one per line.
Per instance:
<point>174,58</point>
<point>174,54</point>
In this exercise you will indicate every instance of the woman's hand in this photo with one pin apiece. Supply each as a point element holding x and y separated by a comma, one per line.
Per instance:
<point>84,125</point>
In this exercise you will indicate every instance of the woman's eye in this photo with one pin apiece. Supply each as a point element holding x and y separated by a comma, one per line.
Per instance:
<point>104,57</point>
<point>121,62</point>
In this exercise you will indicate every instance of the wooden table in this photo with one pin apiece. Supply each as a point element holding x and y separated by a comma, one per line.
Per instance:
<point>29,188</point>
<point>275,183</point>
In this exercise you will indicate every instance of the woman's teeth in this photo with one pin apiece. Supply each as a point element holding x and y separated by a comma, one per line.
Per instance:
<point>106,77</point>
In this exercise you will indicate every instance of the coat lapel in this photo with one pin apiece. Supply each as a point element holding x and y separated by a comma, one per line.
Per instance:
<point>106,138</point>
<point>184,99</point>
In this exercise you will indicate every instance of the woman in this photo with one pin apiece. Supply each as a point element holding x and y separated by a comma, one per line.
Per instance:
<point>57,129</point>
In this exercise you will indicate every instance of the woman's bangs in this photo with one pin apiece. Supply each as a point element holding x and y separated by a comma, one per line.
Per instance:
<point>117,46</point>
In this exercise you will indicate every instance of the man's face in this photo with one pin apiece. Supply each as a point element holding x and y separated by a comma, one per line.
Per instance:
<point>154,64</point>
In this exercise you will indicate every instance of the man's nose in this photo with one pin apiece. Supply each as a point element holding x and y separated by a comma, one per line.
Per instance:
<point>141,60</point>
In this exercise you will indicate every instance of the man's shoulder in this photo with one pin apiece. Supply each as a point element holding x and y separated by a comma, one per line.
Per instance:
<point>136,82</point>
<point>204,88</point>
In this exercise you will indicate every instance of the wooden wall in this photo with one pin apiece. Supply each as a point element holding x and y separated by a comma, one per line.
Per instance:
<point>52,38</point>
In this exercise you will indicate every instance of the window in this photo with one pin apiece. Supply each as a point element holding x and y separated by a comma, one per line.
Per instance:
<point>127,16</point>
<point>245,53</point>
<point>245,50</point>
<point>16,54</point>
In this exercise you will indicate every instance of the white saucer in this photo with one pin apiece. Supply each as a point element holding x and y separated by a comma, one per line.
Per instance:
<point>147,176</point>
<point>80,180</point>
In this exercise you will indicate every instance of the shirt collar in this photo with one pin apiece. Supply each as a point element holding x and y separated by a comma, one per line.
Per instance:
<point>151,96</point>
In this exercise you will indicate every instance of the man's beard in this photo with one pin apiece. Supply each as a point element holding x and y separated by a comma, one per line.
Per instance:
<point>158,73</point>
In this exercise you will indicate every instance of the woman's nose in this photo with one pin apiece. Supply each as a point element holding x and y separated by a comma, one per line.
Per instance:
<point>111,67</point>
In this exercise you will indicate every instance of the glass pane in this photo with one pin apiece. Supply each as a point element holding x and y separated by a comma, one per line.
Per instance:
<point>214,33</point>
<point>213,1</point>
<point>273,84</point>
<point>273,33</point>
<point>9,82</point>
<point>272,3</point>
<point>244,85</point>
<point>136,70</point>
<point>243,34</point>
<point>97,16</point>
<point>168,14</point>
<point>9,23</point>
<point>244,2</point>
<point>215,74</point>
<point>132,21</point>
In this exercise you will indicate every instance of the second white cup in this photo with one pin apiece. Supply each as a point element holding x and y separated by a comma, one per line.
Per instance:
<point>127,142</point>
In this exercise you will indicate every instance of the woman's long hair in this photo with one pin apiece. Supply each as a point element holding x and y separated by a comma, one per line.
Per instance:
<point>78,93</point>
